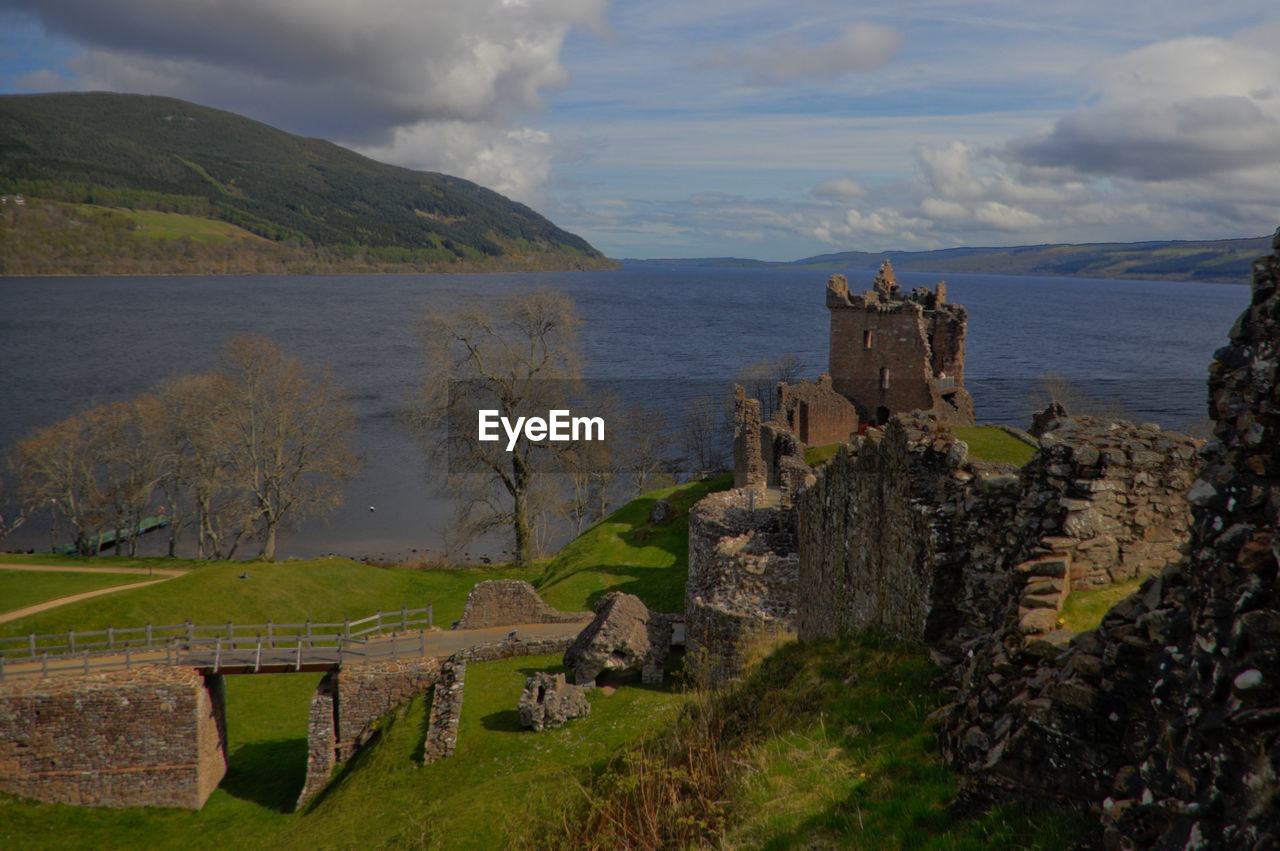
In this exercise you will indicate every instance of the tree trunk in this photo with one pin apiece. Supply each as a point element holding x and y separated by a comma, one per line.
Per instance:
<point>520,510</point>
<point>269,543</point>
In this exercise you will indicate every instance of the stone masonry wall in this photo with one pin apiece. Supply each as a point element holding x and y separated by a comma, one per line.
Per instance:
<point>152,736</point>
<point>503,602</point>
<point>446,712</point>
<point>369,690</point>
<point>866,546</point>
<point>742,578</point>
<point>322,739</point>
<point>1166,718</point>
<point>815,413</point>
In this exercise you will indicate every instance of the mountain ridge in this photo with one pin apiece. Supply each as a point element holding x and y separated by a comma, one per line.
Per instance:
<point>151,152</point>
<point>1218,261</point>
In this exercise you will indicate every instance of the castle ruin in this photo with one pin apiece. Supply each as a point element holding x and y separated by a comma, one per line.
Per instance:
<point>893,353</point>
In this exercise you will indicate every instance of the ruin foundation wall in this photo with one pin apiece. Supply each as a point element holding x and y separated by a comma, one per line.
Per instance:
<point>153,736</point>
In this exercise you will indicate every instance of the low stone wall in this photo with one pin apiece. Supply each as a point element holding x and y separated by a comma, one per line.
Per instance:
<point>322,739</point>
<point>742,578</point>
<point>503,602</point>
<point>150,737</point>
<point>446,711</point>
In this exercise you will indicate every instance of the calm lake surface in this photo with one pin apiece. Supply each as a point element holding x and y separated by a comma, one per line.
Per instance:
<point>69,343</point>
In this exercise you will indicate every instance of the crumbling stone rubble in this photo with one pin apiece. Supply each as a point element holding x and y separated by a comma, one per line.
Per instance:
<point>1166,718</point>
<point>624,637</point>
<point>550,701</point>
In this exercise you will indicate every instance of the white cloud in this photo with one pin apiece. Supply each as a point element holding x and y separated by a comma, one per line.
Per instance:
<point>1177,109</point>
<point>787,59</point>
<point>839,189</point>
<point>378,72</point>
<point>513,162</point>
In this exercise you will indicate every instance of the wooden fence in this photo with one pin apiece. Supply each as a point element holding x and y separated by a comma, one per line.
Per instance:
<point>229,645</point>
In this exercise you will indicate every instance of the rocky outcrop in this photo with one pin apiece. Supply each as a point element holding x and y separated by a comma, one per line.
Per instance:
<point>550,701</point>
<point>624,637</point>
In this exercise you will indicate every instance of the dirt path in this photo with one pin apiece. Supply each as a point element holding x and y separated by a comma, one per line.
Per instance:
<point>164,574</point>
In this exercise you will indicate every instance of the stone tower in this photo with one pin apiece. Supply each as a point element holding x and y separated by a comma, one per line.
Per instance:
<point>892,352</point>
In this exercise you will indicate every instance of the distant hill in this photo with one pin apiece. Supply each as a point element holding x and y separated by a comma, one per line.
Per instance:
<point>1223,260</point>
<point>138,152</point>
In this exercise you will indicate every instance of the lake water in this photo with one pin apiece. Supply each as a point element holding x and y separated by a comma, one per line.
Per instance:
<point>69,343</point>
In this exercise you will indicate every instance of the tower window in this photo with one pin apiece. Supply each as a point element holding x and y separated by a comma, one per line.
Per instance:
<point>866,339</point>
<point>884,378</point>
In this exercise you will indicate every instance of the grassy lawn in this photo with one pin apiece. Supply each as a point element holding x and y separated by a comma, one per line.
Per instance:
<point>1084,607</point>
<point>170,225</point>
<point>624,552</point>
<point>995,445</point>
<point>22,588</point>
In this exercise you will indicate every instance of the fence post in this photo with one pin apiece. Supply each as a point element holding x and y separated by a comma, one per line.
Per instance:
<point>271,639</point>
<point>339,649</point>
<point>148,635</point>
<point>422,642</point>
<point>346,628</point>
<point>33,645</point>
<point>168,650</point>
<point>71,641</point>
<point>111,637</point>
<point>257,658</point>
<point>128,659</point>
<point>217,654</point>
<point>379,630</point>
<point>308,632</point>
<point>298,665</point>
<point>191,634</point>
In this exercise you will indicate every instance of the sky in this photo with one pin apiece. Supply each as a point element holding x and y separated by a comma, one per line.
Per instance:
<point>771,130</point>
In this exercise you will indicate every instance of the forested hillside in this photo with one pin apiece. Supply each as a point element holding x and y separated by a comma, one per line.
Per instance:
<point>325,204</point>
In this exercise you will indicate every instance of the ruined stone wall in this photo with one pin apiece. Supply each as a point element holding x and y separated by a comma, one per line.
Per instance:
<point>892,353</point>
<point>153,736</point>
<point>446,712</point>
<point>1166,718</point>
<point>748,461</point>
<point>369,690</point>
<point>935,546</point>
<point>866,551</point>
<point>322,739</point>
<point>742,578</point>
<point>504,602</point>
<point>815,413</point>
<point>898,345</point>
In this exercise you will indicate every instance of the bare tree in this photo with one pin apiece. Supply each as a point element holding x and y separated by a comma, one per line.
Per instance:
<point>289,436</point>
<point>761,378</point>
<point>58,467</point>
<point>1056,387</point>
<point>513,354</point>
<point>645,451</point>
<point>708,432</point>
<point>195,428</point>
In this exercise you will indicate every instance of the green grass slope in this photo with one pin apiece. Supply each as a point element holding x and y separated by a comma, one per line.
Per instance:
<point>156,153</point>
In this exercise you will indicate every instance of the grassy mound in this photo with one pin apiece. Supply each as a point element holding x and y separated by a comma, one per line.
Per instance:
<point>826,745</point>
<point>22,588</point>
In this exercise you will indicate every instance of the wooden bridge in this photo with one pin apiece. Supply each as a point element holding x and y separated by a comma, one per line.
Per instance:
<point>226,648</point>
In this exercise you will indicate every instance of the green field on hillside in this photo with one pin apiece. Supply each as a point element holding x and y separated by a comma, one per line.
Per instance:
<point>22,588</point>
